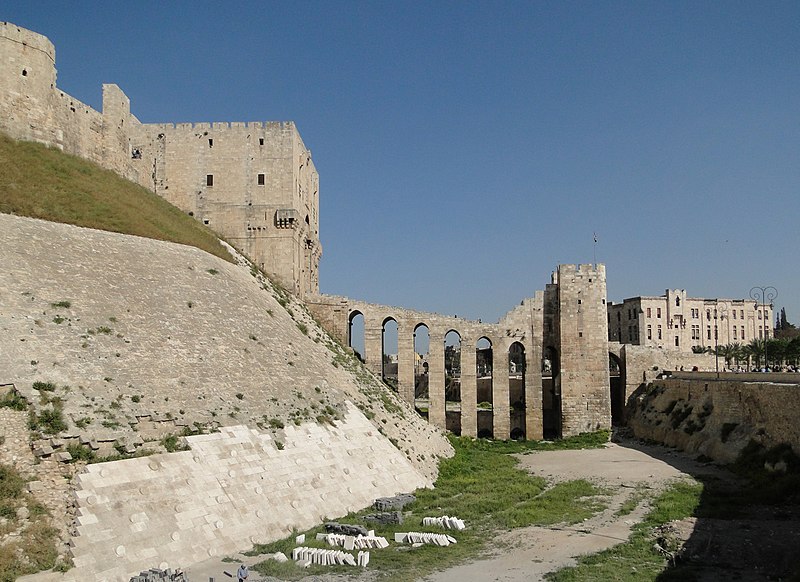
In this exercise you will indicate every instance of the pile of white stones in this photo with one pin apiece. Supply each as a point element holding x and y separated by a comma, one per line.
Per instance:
<point>444,522</point>
<point>306,556</point>
<point>416,538</point>
<point>355,542</point>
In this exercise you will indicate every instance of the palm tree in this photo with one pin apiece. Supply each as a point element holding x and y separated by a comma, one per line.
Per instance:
<point>728,351</point>
<point>755,349</point>
<point>739,352</point>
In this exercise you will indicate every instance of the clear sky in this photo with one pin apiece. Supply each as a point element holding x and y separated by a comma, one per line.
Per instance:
<point>467,148</point>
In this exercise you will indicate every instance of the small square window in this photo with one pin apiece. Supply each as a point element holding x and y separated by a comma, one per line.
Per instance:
<point>261,179</point>
<point>209,179</point>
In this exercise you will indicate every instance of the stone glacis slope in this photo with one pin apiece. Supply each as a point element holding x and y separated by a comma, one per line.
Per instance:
<point>134,340</point>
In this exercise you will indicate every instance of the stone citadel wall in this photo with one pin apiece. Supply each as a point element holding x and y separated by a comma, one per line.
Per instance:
<point>232,489</point>
<point>253,183</point>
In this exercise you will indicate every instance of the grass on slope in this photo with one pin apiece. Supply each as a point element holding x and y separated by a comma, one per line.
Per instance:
<point>32,547</point>
<point>41,182</point>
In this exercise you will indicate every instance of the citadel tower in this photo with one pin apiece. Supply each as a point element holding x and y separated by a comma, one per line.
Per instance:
<point>253,183</point>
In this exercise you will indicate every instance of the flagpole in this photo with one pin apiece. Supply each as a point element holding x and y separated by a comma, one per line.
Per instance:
<point>595,248</point>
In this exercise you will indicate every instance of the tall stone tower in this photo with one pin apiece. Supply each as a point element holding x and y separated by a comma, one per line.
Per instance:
<point>582,329</point>
<point>253,183</point>
<point>28,80</point>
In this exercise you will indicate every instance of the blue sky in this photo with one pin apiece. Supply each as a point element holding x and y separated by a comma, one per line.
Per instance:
<point>467,148</point>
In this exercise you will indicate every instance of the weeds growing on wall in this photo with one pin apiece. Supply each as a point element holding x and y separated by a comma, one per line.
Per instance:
<point>13,400</point>
<point>34,548</point>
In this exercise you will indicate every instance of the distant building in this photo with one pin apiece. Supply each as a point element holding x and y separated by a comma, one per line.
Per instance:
<point>677,322</point>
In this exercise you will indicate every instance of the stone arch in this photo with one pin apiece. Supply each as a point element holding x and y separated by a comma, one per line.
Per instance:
<point>355,333</point>
<point>516,390</point>
<point>616,375</point>
<point>389,351</point>
<point>484,369</point>
<point>452,381</point>
<point>551,393</point>
<point>422,338</point>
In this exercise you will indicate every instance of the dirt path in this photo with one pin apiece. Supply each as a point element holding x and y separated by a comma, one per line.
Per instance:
<point>760,543</point>
<point>524,555</point>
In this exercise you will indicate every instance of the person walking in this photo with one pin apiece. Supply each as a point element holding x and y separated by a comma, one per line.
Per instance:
<point>243,573</point>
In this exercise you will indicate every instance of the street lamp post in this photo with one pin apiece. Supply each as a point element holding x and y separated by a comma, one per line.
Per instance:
<point>762,295</point>
<point>720,312</point>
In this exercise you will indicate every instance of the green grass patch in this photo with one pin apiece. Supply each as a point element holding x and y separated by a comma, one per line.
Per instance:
<point>636,560</point>
<point>46,183</point>
<point>34,549</point>
<point>14,400</point>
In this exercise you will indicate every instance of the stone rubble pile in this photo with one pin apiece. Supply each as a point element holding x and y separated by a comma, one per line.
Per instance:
<point>385,518</point>
<point>156,575</point>
<point>306,556</point>
<point>395,503</point>
<point>345,529</point>
<point>354,542</point>
<point>444,522</point>
<point>418,538</point>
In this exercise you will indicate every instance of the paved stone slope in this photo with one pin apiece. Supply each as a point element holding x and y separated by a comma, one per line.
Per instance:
<point>160,339</point>
<point>136,339</point>
<point>232,488</point>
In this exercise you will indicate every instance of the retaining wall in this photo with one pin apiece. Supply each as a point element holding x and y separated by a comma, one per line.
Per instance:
<point>716,418</point>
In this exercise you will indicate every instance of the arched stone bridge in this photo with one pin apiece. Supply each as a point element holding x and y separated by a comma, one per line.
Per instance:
<point>510,377</point>
<point>495,387</point>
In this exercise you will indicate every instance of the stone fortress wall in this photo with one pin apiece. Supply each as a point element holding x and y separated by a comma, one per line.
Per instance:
<point>256,185</point>
<point>253,183</point>
<point>233,488</point>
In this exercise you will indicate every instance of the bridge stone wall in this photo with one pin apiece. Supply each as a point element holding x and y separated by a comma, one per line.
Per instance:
<point>568,317</point>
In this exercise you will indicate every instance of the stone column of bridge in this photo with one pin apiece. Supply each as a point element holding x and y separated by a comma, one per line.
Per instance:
<point>406,356</point>
<point>534,421</point>
<point>469,389</point>
<point>500,405</point>
<point>373,344</point>
<point>436,412</point>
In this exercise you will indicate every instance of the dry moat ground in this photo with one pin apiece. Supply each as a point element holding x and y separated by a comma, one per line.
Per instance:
<point>726,539</point>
